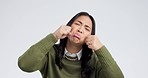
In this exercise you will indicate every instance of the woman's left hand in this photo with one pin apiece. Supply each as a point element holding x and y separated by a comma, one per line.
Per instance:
<point>93,42</point>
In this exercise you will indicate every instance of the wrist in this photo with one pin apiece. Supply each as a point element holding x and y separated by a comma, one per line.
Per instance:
<point>97,48</point>
<point>55,35</point>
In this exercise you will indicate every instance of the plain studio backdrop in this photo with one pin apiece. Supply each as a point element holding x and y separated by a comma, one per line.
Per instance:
<point>122,26</point>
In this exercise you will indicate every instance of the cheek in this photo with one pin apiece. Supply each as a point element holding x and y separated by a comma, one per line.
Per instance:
<point>85,36</point>
<point>73,29</point>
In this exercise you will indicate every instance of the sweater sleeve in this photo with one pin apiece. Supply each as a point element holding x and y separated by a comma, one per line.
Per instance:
<point>35,57</point>
<point>109,68</point>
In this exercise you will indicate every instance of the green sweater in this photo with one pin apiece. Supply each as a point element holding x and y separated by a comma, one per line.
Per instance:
<point>41,56</point>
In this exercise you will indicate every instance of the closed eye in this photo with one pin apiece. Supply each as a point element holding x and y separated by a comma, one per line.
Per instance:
<point>77,24</point>
<point>87,29</point>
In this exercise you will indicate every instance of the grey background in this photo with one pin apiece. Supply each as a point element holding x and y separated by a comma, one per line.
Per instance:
<point>121,26</point>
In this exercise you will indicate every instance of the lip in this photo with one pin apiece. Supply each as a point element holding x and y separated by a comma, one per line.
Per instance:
<point>77,36</point>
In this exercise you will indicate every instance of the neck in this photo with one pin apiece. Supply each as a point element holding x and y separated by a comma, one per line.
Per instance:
<point>73,48</point>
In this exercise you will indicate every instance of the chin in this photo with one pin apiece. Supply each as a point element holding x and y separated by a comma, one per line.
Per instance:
<point>78,42</point>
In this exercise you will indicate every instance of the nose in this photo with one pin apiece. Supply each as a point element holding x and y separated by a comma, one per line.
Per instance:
<point>80,30</point>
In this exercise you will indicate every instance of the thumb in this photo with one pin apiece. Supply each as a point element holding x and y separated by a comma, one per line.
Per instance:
<point>69,34</point>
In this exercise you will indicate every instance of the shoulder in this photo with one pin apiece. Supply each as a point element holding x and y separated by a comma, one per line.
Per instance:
<point>53,50</point>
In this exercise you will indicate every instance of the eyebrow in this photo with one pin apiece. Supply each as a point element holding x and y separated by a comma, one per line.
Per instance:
<point>85,25</point>
<point>79,22</point>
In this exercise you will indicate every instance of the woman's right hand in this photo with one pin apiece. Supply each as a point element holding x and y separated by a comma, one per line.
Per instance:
<point>62,32</point>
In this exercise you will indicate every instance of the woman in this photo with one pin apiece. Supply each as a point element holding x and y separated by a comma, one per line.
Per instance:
<point>80,54</point>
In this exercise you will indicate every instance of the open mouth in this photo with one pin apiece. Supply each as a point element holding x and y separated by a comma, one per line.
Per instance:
<point>76,36</point>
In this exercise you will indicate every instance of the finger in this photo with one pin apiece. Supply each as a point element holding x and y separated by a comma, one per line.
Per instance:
<point>89,43</point>
<point>68,28</point>
<point>65,34</point>
<point>89,38</point>
<point>69,34</point>
<point>90,46</point>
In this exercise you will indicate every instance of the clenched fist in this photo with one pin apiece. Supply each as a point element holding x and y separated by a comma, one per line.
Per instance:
<point>93,42</point>
<point>62,32</point>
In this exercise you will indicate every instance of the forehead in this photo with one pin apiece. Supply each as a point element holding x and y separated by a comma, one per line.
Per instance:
<point>85,20</point>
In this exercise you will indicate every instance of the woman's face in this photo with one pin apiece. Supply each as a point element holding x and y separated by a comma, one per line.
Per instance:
<point>81,28</point>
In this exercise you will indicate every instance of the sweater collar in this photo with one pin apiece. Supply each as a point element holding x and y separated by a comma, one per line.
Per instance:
<point>78,54</point>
